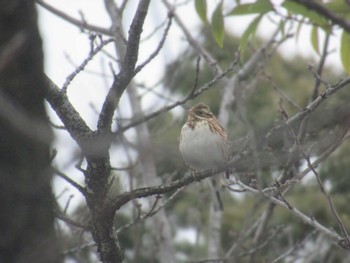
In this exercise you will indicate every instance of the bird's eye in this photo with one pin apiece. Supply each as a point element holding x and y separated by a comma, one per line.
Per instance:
<point>200,113</point>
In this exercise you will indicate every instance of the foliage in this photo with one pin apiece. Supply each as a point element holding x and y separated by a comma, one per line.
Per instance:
<point>293,11</point>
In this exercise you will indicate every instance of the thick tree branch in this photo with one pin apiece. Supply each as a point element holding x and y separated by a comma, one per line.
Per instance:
<point>71,119</point>
<point>162,189</point>
<point>127,72</point>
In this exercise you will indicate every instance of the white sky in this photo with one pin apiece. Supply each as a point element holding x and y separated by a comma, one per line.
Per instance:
<point>61,39</point>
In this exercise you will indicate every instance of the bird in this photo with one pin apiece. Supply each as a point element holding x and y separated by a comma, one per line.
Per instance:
<point>203,142</point>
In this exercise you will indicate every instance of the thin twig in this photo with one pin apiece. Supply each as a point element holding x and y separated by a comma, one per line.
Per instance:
<point>159,47</point>
<point>152,211</point>
<point>306,219</point>
<point>77,248</point>
<point>74,21</point>
<point>263,244</point>
<point>316,90</point>
<point>280,92</point>
<point>320,183</point>
<point>70,181</point>
<point>81,67</point>
<point>313,105</point>
<point>70,221</point>
<point>296,246</point>
<point>192,41</point>
<point>195,85</point>
<point>172,106</point>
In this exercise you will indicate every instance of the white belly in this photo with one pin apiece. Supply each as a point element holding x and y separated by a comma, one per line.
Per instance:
<point>200,148</point>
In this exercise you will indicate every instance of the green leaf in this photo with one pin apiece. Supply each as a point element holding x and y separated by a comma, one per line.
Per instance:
<point>260,7</point>
<point>299,9</point>
<point>339,6</point>
<point>345,50</point>
<point>248,32</point>
<point>314,39</point>
<point>201,9</point>
<point>218,26</point>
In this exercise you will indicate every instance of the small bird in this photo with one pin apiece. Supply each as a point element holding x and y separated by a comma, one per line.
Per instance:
<point>203,141</point>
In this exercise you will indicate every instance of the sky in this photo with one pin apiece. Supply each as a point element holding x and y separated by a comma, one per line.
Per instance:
<point>65,47</point>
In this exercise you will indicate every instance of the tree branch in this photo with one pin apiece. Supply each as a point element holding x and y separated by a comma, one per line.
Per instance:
<point>152,212</point>
<point>312,106</point>
<point>81,67</point>
<point>320,9</point>
<point>71,119</point>
<point>162,189</point>
<point>127,71</point>
<point>306,219</point>
<point>159,47</point>
<point>322,188</point>
<point>76,22</point>
<point>70,181</point>
<point>193,42</point>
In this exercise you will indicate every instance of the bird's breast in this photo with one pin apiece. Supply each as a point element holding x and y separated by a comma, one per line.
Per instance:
<point>200,147</point>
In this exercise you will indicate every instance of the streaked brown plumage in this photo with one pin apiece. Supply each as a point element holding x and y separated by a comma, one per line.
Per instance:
<point>203,140</point>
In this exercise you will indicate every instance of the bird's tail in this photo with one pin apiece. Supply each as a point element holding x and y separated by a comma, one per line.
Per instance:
<point>218,204</point>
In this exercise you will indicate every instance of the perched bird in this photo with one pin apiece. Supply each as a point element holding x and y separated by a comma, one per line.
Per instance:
<point>203,141</point>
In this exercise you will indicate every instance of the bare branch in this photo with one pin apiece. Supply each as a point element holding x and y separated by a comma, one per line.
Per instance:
<point>193,42</point>
<point>313,105</point>
<point>292,249</point>
<point>70,181</point>
<point>127,72</point>
<point>316,90</point>
<point>152,211</point>
<point>77,248</point>
<point>323,190</point>
<point>82,66</point>
<point>159,47</point>
<point>306,219</point>
<point>72,120</point>
<point>70,221</point>
<point>74,21</point>
<point>162,189</point>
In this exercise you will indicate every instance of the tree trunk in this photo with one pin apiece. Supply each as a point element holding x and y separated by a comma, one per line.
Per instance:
<point>26,199</point>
